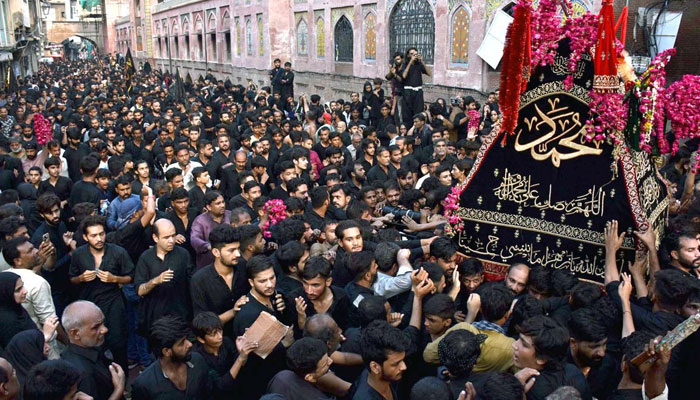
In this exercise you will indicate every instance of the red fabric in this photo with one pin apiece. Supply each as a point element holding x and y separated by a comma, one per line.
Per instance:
<point>605,66</point>
<point>622,20</point>
<point>516,66</point>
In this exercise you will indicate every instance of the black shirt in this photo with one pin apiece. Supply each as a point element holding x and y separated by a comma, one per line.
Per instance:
<point>365,392</point>
<point>550,379</point>
<point>627,394</point>
<point>279,193</point>
<point>169,298</point>
<point>95,379</point>
<point>287,285</point>
<point>377,174</point>
<point>293,387</point>
<point>258,372</point>
<point>339,308</point>
<point>73,157</point>
<point>220,366</point>
<point>414,78</point>
<point>115,260</point>
<point>313,218</point>
<point>62,189</point>
<point>211,293</point>
<point>181,229</point>
<point>196,198</point>
<point>83,192</point>
<point>153,384</point>
<point>58,277</point>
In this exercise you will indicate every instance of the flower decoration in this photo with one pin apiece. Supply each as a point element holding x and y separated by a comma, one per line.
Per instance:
<point>473,124</point>
<point>42,129</point>
<point>682,102</point>
<point>276,212</point>
<point>607,117</point>
<point>451,204</point>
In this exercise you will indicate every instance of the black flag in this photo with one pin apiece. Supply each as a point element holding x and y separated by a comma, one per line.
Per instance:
<point>129,68</point>
<point>179,88</point>
<point>11,81</point>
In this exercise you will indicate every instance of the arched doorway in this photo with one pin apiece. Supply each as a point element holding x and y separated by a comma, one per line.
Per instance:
<point>412,24</point>
<point>79,48</point>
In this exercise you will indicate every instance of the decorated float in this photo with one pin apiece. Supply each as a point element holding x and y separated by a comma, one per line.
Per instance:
<point>575,148</point>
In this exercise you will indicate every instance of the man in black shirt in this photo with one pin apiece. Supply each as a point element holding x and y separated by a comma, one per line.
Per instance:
<point>383,171</point>
<point>542,346</point>
<point>587,350</point>
<point>55,183</point>
<point>98,269</point>
<point>178,373</point>
<point>182,216</point>
<point>412,74</point>
<point>49,207</point>
<point>383,351</point>
<point>74,153</point>
<point>318,296</point>
<point>84,323</point>
<point>308,361</point>
<point>292,257</point>
<point>85,190</point>
<point>317,210</point>
<point>221,287</point>
<point>162,278</point>
<point>262,298</point>
<point>286,172</point>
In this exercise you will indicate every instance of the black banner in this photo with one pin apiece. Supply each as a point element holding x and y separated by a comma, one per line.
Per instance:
<point>543,197</point>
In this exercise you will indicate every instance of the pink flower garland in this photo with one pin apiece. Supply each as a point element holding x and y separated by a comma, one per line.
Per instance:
<point>275,210</point>
<point>682,100</point>
<point>451,204</point>
<point>546,32</point>
<point>582,34</point>
<point>42,129</point>
<point>649,89</point>
<point>608,117</point>
<point>473,124</point>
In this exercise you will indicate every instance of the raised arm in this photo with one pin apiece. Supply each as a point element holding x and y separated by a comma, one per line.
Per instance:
<point>612,245</point>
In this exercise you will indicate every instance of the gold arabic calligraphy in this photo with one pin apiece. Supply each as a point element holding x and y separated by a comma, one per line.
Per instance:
<point>520,189</point>
<point>563,138</point>
<point>546,257</point>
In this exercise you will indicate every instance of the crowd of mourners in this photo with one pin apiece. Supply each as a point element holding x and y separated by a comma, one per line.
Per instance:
<point>158,220</point>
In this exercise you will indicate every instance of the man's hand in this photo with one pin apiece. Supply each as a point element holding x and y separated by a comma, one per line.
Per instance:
<point>394,319</point>
<point>239,303</point>
<point>245,347</point>
<point>165,276</point>
<point>300,306</point>
<point>474,303</point>
<point>117,377</point>
<point>638,267</point>
<point>411,225</point>
<point>68,240</point>
<point>88,275</point>
<point>418,276</point>
<point>527,377</point>
<point>424,288</point>
<point>469,392</point>
<point>106,277</point>
<point>612,240</point>
<point>403,255</point>
<point>179,239</point>
<point>279,303</point>
<point>460,316</point>
<point>648,238</point>
<point>625,288</point>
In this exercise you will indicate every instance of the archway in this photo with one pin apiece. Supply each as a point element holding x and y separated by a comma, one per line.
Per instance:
<point>79,47</point>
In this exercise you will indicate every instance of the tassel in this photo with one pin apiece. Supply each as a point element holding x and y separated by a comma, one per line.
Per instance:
<point>622,20</point>
<point>515,72</point>
<point>605,78</point>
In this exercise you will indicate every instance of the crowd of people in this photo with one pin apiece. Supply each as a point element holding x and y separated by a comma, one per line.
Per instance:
<point>152,225</point>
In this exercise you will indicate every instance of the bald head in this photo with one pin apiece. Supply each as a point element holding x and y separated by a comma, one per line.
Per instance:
<point>84,322</point>
<point>324,327</point>
<point>164,235</point>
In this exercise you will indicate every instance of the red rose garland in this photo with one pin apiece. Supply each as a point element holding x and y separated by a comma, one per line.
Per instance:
<point>42,129</point>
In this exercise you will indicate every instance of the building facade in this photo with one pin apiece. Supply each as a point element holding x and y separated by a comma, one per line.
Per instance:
<point>334,45</point>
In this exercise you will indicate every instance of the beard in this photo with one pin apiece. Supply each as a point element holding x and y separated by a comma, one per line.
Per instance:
<point>690,264</point>
<point>183,358</point>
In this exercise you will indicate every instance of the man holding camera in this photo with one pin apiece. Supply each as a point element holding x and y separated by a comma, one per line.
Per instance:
<point>412,76</point>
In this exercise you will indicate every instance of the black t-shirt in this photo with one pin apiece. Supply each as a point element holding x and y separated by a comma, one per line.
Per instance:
<point>211,293</point>
<point>115,260</point>
<point>62,189</point>
<point>414,78</point>
<point>153,384</point>
<point>169,298</point>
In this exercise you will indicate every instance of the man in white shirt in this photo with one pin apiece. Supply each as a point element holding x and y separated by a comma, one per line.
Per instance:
<point>23,258</point>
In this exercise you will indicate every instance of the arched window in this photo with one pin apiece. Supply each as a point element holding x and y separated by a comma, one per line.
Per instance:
<point>343,40</point>
<point>302,38</point>
<point>249,36</point>
<point>370,37</point>
<point>320,38</point>
<point>460,36</point>
<point>412,25</point>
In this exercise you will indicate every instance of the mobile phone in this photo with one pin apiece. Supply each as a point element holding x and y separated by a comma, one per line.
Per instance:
<point>46,237</point>
<point>274,300</point>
